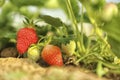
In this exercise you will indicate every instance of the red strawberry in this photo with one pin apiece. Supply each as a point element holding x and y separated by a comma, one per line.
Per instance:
<point>52,55</point>
<point>25,37</point>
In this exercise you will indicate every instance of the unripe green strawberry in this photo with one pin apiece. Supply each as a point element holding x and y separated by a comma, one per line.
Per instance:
<point>26,37</point>
<point>52,55</point>
<point>110,10</point>
<point>33,53</point>
<point>69,48</point>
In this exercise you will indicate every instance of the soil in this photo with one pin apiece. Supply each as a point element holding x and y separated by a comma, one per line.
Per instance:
<point>25,69</point>
<point>12,68</point>
<point>9,52</point>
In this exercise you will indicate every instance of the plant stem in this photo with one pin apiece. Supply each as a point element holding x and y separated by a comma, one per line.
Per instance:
<point>98,32</point>
<point>71,14</point>
<point>83,57</point>
<point>65,30</point>
<point>82,35</point>
<point>79,41</point>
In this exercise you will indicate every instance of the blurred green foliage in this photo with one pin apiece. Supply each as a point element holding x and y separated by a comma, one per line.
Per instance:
<point>2,2</point>
<point>112,28</point>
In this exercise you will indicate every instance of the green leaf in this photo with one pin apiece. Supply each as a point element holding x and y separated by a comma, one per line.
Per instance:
<point>51,20</point>
<point>112,28</point>
<point>115,46</point>
<point>20,3</point>
<point>26,21</point>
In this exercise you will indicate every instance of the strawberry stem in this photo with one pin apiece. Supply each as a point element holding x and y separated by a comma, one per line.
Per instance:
<point>79,40</point>
<point>46,40</point>
<point>18,55</point>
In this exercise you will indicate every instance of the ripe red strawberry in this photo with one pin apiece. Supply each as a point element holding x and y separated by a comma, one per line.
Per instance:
<point>25,37</point>
<point>52,55</point>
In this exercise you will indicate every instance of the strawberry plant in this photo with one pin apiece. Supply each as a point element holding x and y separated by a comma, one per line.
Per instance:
<point>60,42</point>
<point>26,36</point>
<point>98,48</point>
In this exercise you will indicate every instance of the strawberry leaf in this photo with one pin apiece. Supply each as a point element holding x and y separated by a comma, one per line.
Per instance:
<point>20,3</point>
<point>115,46</point>
<point>51,20</point>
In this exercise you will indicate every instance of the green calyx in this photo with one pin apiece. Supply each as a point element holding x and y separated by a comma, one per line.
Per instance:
<point>29,22</point>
